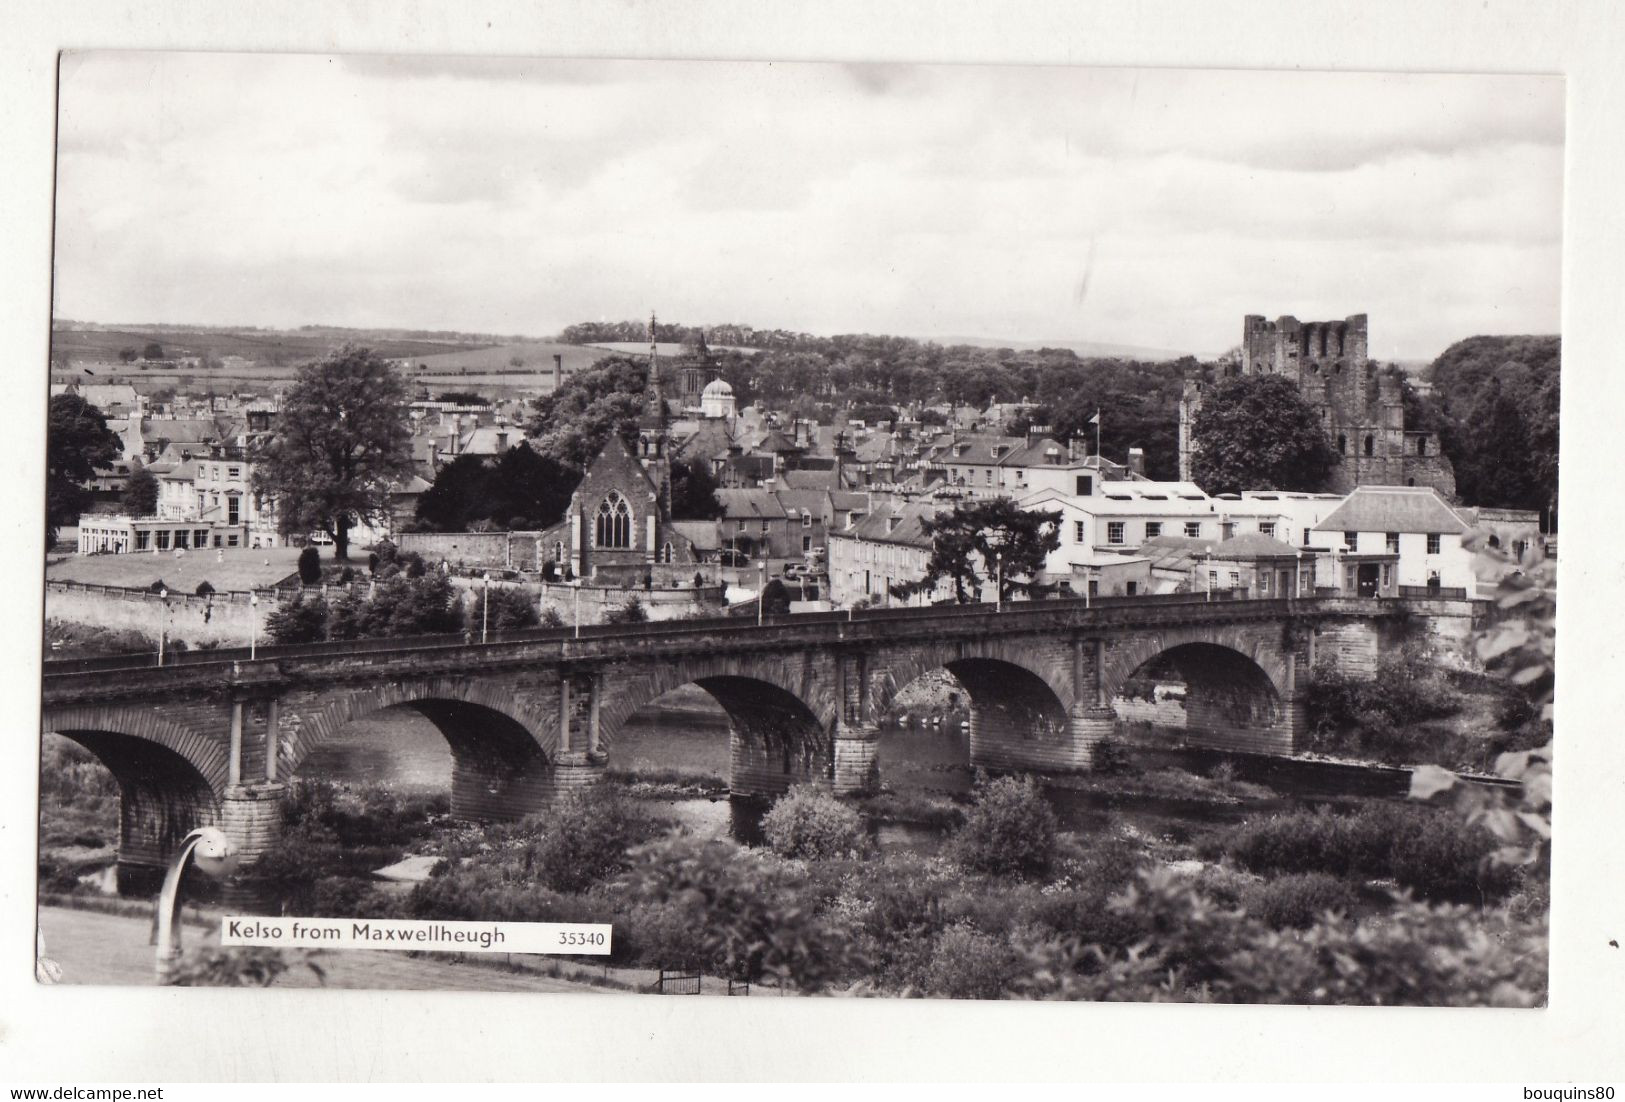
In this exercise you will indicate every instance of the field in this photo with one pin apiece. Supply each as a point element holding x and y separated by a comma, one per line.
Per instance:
<point>278,348</point>
<point>534,356</point>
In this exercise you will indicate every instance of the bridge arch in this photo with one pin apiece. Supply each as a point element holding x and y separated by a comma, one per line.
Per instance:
<point>1235,694</point>
<point>503,749</point>
<point>170,779</point>
<point>1126,655</point>
<point>781,713</point>
<point>990,668</point>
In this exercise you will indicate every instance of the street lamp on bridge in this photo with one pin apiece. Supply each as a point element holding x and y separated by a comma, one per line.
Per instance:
<point>210,850</point>
<point>996,538</point>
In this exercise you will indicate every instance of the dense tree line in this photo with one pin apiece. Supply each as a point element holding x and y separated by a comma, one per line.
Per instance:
<point>1495,407</point>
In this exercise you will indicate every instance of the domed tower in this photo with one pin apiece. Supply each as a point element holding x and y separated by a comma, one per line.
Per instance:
<point>717,400</point>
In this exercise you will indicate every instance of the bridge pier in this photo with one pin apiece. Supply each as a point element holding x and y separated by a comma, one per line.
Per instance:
<point>1089,724</point>
<point>856,766</point>
<point>759,766</point>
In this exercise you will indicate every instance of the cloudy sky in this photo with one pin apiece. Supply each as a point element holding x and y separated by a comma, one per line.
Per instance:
<point>1145,207</point>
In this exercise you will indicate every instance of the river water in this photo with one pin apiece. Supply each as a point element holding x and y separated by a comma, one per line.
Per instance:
<point>403,750</point>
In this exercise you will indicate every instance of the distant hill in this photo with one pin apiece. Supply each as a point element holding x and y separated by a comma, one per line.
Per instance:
<point>536,356</point>
<point>1085,349</point>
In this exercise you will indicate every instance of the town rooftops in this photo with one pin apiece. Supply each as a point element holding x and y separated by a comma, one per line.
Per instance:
<point>903,524</point>
<point>1394,509</point>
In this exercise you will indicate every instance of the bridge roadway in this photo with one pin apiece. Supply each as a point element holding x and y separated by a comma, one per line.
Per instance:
<point>212,736</point>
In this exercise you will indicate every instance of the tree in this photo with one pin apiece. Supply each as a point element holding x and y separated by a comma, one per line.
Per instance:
<point>341,440</point>
<point>775,598</point>
<point>298,621</point>
<point>508,608</point>
<point>310,566</point>
<point>153,351</point>
<point>1495,468</point>
<point>1255,432</point>
<point>574,423</point>
<point>693,492</point>
<point>76,443</point>
<point>994,536</point>
<point>140,497</point>
<point>128,354</point>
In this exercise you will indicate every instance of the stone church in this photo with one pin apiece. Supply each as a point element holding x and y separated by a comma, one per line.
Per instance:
<point>618,529</point>
<point>1360,406</point>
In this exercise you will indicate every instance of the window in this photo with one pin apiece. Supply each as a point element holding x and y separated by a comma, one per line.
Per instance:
<point>806,543</point>
<point>1153,528</point>
<point>1266,528</point>
<point>231,540</point>
<point>1306,537</point>
<point>1114,531</point>
<point>1086,485</point>
<point>234,472</point>
<point>1393,542</point>
<point>163,539</point>
<point>202,501</point>
<point>988,476</point>
<point>1387,575</point>
<point>1133,588</point>
<point>1263,583</point>
<point>141,539</point>
<point>1370,445</point>
<point>765,528</point>
<point>614,525</point>
<point>183,539</point>
<point>806,520</point>
<point>234,509</point>
<point>200,537</point>
<point>1227,529</point>
<point>1351,540</point>
<point>558,550</point>
<point>1518,548</point>
<point>1235,578</point>
<point>1021,476</point>
<point>667,553</point>
<point>1193,528</point>
<point>218,542</point>
<point>1342,444</point>
<point>1433,543</point>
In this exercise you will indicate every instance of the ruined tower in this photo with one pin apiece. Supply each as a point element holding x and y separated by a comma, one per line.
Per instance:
<point>1360,406</point>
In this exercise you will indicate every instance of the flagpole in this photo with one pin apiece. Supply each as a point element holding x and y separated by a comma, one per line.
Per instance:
<point>1097,433</point>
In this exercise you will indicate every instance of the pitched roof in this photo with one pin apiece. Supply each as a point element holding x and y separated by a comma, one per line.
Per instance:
<point>1394,509</point>
<point>750,504</point>
<point>899,525</point>
<point>1253,545</point>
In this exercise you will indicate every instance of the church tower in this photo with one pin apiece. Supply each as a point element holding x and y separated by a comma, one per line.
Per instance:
<point>653,439</point>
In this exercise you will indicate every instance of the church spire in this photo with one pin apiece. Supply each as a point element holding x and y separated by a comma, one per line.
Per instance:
<point>656,413</point>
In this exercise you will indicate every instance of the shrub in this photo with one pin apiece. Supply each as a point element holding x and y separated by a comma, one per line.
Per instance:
<point>632,612</point>
<point>509,608</point>
<point>1109,756</point>
<point>298,621</point>
<point>1009,829</point>
<point>310,566</point>
<point>204,589</point>
<point>1299,899</point>
<point>551,619</point>
<point>584,839</point>
<point>809,822</point>
<point>969,964</point>
<point>1438,856</point>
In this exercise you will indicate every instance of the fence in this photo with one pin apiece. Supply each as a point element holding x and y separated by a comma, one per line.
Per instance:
<point>1435,592</point>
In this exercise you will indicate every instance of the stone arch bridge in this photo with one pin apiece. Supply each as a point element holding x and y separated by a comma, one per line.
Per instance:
<point>213,736</point>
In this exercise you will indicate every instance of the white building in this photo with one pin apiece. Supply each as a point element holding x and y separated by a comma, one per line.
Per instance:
<point>717,401</point>
<point>884,549</point>
<point>1414,522</point>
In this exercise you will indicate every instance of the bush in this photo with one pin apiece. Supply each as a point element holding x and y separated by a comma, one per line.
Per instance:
<point>1372,719</point>
<point>1009,830</point>
<point>310,566</point>
<point>1438,856</point>
<point>584,839</point>
<point>969,964</point>
<point>809,822</point>
<point>632,612</point>
<point>1299,900</point>
<point>550,618</point>
<point>508,608</point>
<point>204,589</point>
<point>298,621</point>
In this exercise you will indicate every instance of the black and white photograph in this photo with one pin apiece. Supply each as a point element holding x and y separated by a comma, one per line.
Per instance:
<point>970,532</point>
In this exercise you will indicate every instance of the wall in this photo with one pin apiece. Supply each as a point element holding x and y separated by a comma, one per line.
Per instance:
<point>595,601</point>
<point>467,549</point>
<point>224,619</point>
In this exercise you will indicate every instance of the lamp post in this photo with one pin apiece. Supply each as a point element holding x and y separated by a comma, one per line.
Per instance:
<point>1207,569</point>
<point>163,621</point>
<point>210,850</point>
<point>253,623</point>
<point>761,593</point>
<point>1297,588</point>
<point>576,607</point>
<point>485,614</point>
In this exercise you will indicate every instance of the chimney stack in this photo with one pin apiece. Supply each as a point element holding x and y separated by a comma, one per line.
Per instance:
<point>1136,461</point>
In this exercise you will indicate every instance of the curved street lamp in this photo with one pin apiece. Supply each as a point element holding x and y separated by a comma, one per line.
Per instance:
<point>996,538</point>
<point>163,620</point>
<point>211,851</point>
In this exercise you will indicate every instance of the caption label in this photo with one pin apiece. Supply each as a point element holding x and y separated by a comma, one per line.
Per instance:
<point>573,938</point>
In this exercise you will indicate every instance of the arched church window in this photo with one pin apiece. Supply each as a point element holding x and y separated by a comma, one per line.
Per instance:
<point>614,528</point>
<point>1342,444</point>
<point>667,554</point>
<point>558,550</point>
<point>1370,445</point>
